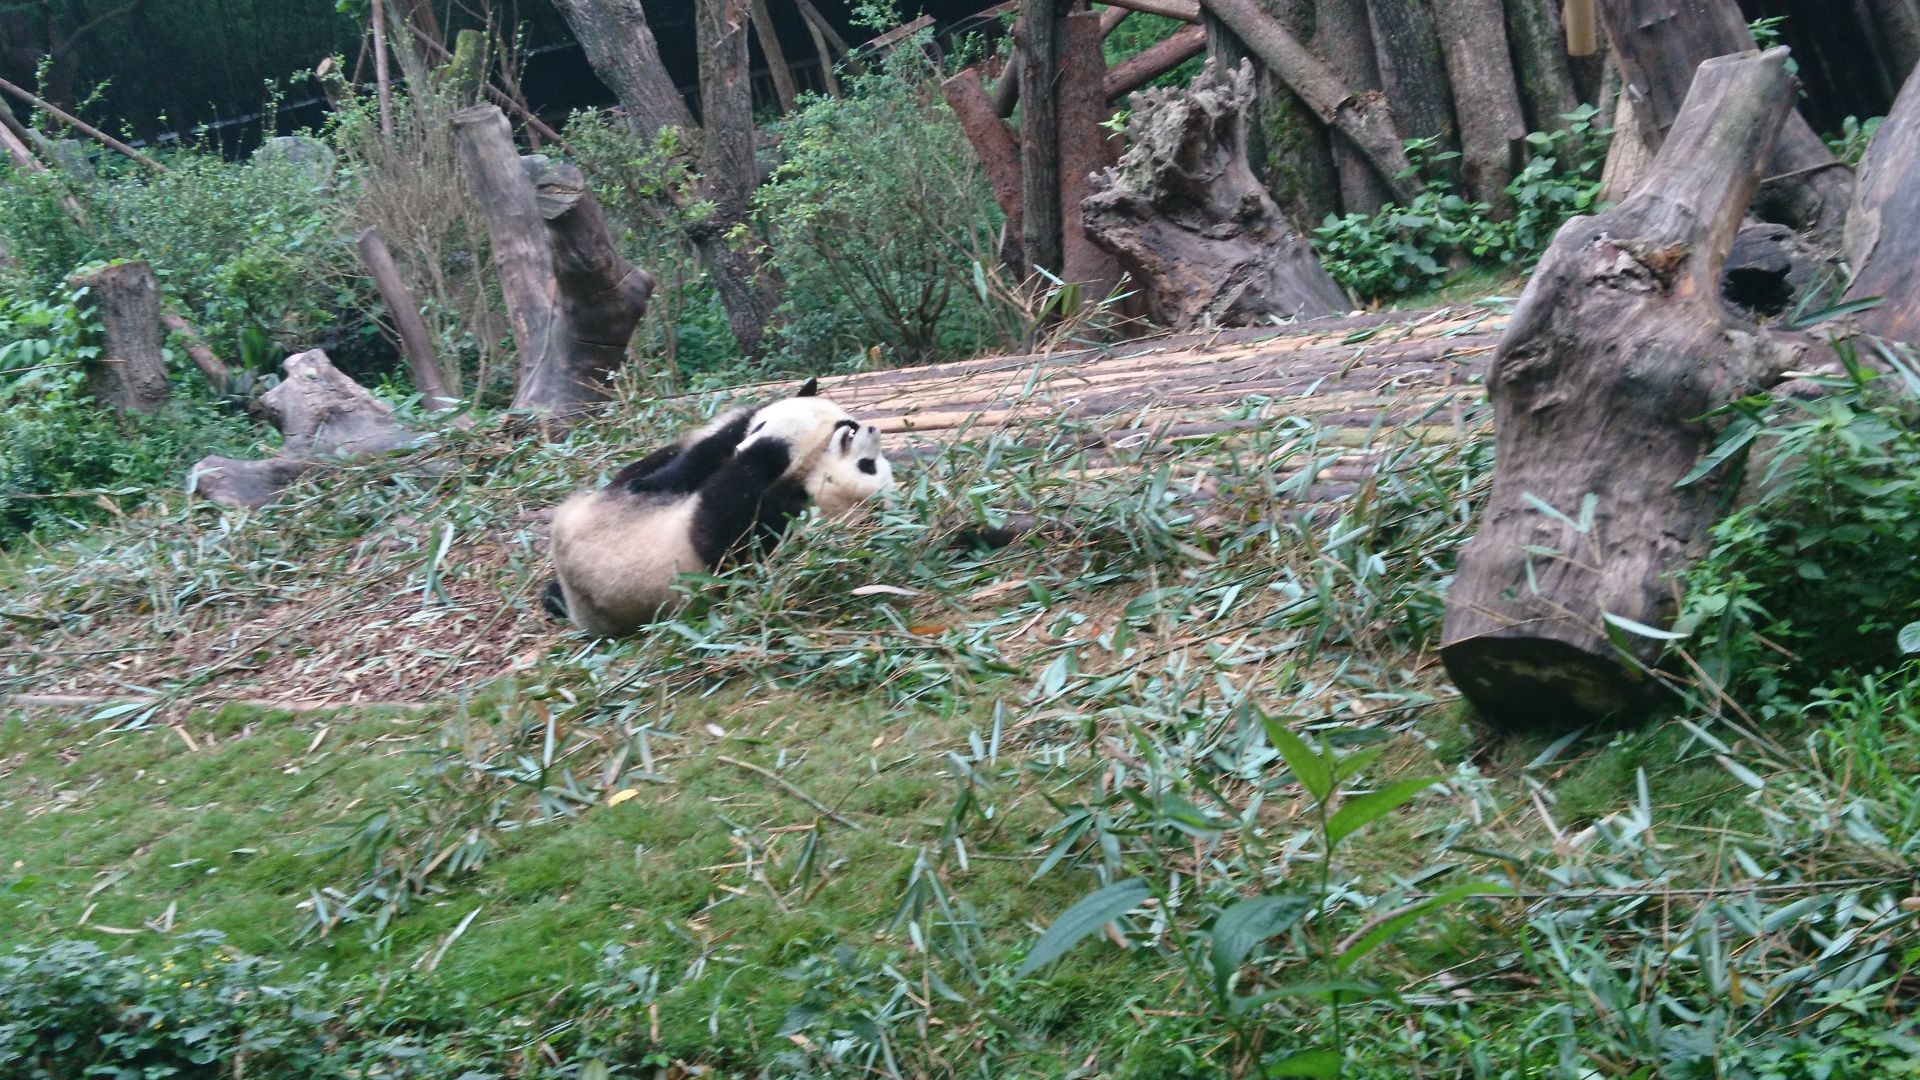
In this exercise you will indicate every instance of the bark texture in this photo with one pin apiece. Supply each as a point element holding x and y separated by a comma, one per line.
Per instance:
<point>130,374</point>
<point>1343,35</point>
<point>573,300</point>
<point>1154,61</point>
<point>1081,106</point>
<point>323,415</point>
<point>1185,215</point>
<point>763,28</point>
<point>729,173</point>
<point>1883,232</point>
<point>1413,71</point>
<point>1474,36</point>
<point>416,341</point>
<point>1617,348</point>
<point>1659,43</point>
<point>620,47</point>
<point>998,149</point>
<point>1362,117</point>
<point>1039,134</point>
<point>1540,62</point>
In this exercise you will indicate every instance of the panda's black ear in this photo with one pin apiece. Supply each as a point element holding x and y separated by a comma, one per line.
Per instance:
<point>810,387</point>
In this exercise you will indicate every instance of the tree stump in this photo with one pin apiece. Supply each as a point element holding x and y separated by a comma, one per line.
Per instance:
<point>1186,217</point>
<point>322,416</point>
<point>574,301</point>
<point>1618,348</point>
<point>130,374</point>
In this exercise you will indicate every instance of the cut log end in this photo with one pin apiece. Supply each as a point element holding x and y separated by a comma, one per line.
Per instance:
<point>1520,683</point>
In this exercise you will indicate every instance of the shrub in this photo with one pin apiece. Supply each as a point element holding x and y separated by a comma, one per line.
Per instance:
<point>1816,575</point>
<point>1414,248</point>
<point>64,453</point>
<point>878,211</point>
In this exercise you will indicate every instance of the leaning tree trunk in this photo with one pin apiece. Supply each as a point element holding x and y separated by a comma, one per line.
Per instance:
<point>1617,350</point>
<point>620,47</point>
<point>1361,117</point>
<point>1883,231</point>
<point>324,417</point>
<point>574,301</point>
<point>1185,215</point>
<point>1474,36</point>
<point>1342,35</point>
<point>1659,43</point>
<point>130,374</point>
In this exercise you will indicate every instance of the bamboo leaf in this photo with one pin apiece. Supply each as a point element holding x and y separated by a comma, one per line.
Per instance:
<point>1388,929</point>
<point>1248,923</point>
<point>1361,810</point>
<point>1307,766</point>
<point>1082,920</point>
<point>1308,1063</point>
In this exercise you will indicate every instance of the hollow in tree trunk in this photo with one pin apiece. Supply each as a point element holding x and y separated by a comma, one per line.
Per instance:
<point>1618,350</point>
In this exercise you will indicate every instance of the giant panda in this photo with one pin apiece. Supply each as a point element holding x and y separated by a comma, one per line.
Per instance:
<point>726,491</point>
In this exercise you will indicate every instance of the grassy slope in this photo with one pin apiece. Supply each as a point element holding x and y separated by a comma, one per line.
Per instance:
<point>1086,696</point>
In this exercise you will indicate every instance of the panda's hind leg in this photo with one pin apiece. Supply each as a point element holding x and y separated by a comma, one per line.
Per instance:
<point>555,600</point>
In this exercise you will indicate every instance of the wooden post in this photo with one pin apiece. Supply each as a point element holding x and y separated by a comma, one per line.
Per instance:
<point>776,56</point>
<point>826,58</point>
<point>416,341</point>
<point>1154,61</point>
<point>1081,107</point>
<point>381,76</point>
<point>130,375</point>
<point>1617,350</point>
<point>1039,136</point>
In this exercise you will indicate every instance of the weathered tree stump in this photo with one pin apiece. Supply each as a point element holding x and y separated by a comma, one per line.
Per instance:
<point>1659,43</point>
<point>322,415</point>
<point>130,374</point>
<point>1618,348</point>
<point>574,301</point>
<point>1188,219</point>
<point>1883,230</point>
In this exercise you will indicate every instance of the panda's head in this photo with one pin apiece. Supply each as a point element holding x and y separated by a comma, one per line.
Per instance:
<point>838,457</point>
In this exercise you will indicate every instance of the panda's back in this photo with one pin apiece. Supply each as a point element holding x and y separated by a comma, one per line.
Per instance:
<point>617,555</point>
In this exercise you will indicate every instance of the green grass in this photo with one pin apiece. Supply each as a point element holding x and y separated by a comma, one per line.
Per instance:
<point>575,863</point>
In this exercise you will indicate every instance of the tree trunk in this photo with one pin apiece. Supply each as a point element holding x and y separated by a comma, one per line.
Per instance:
<point>730,173</point>
<point>383,80</point>
<point>1154,61</point>
<point>776,56</point>
<point>130,375</point>
<point>573,300</point>
<point>620,47</point>
<point>1342,36</point>
<point>1081,107</point>
<point>1616,351</point>
<point>1474,36</point>
<point>1188,219</point>
<point>416,341</point>
<point>827,76</point>
<point>1883,231</point>
<point>1039,135</point>
<point>1364,118</point>
<point>1628,156</point>
<point>998,150</point>
<point>1413,71</point>
<point>1659,43</point>
<point>1288,146</point>
<point>1540,62</point>
<point>1898,24</point>
<point>323,416</point>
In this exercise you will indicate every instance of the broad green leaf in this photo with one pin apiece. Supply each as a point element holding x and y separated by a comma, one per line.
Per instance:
<point>1390,928</point>
<point>1910,638</point>
<point>1355,813</point>
<point>1248,923</point>
<point>1082,919</point>
<point>1309,1063</point>
<point>1308,767</point>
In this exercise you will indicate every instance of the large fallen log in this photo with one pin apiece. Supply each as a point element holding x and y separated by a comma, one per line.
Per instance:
<point>1618,351</point>
<point>1189,220</point>
<point>322,415</point>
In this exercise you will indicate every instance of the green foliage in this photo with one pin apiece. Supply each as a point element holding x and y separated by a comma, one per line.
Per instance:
<point>1850,143</point>
<point>1415,248</point>
<point>1814,577</point>
<point>878,211</point>
<point>65,458</point>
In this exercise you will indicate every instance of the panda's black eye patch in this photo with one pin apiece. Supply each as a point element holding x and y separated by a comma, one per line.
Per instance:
<point>867,466</point>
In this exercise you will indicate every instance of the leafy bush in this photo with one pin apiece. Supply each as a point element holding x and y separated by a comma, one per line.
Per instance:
<point>878,211</point>
<point>64,454</point>
<point>1815,575</point>
<point>1415,248</point>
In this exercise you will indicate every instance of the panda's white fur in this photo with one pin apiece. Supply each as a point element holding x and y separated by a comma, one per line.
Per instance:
<point>733,485</point>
